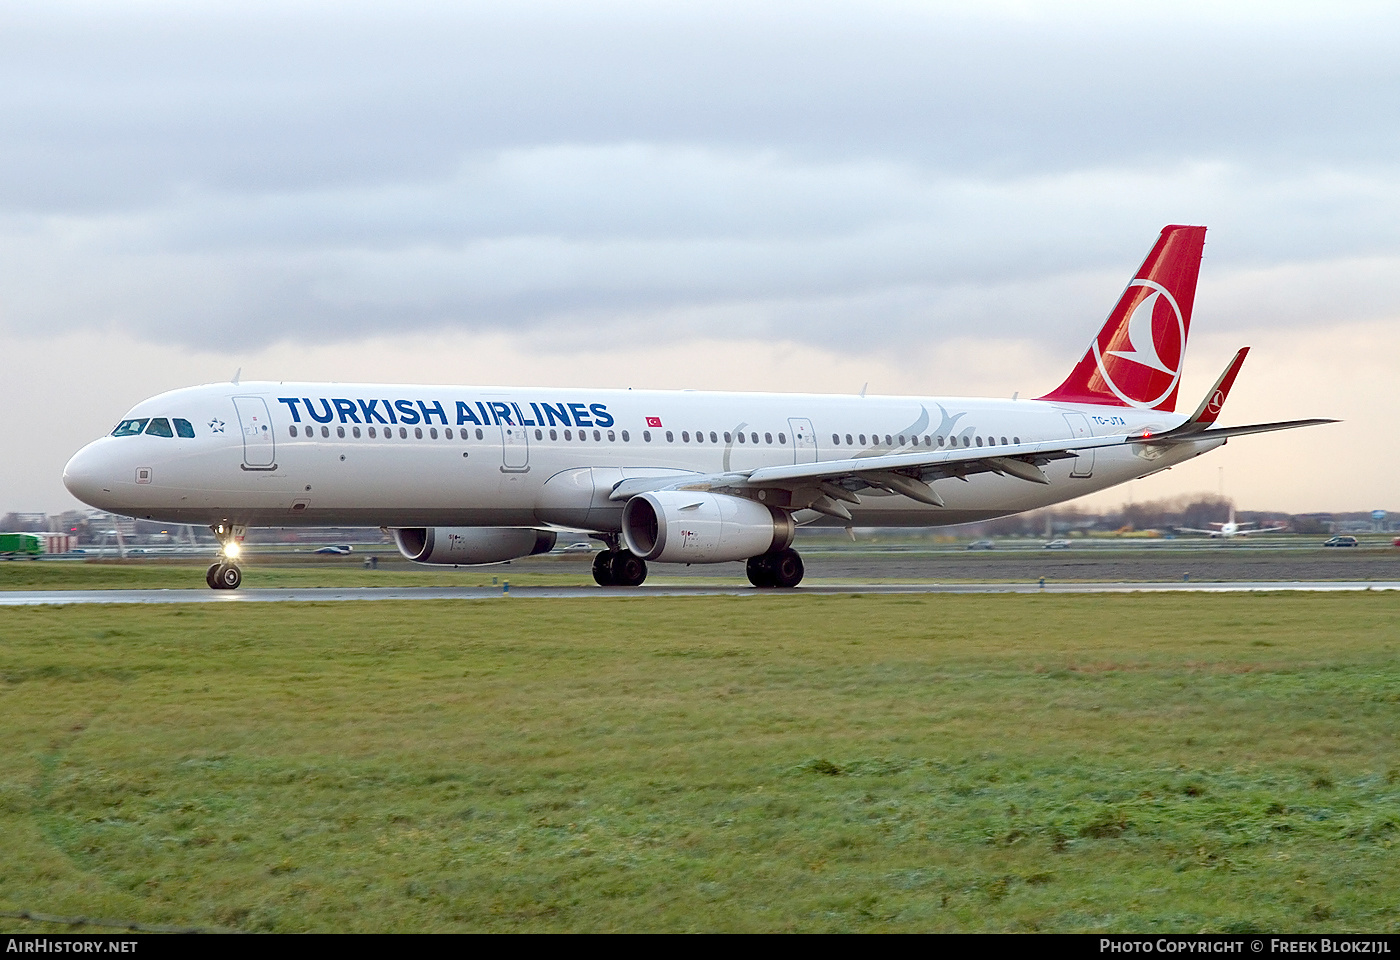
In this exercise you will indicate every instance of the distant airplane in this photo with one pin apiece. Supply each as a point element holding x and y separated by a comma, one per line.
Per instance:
<point>488,474</point>
<point>1230,528</point>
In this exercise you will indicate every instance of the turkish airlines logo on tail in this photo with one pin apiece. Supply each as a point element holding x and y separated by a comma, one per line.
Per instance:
<point>1140,357</point>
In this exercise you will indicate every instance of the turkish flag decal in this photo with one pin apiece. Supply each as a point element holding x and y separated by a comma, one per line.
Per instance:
<point>653,421</point>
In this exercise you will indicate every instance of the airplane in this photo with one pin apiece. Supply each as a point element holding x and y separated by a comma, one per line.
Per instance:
<point>478,475</point>
<point>1230,529</point>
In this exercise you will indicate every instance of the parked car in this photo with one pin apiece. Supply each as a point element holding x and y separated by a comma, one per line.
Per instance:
<point>578,546</point>
<point>1341,542</point>
<point>981,545</point>
<point>1058,545</point>
<point>339,549</point>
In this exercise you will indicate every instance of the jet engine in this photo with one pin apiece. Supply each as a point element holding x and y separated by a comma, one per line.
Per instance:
<point>471,545</point>
<point>672,526</point>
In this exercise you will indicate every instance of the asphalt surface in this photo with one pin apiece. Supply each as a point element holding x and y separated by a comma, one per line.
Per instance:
<point>59,597</point>
<point>1225,563</point>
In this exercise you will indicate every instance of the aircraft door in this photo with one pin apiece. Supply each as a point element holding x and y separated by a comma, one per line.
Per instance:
<point>259,445</point>
<point>515,449</point>
<point>804,440</point>
<point>1079,430</point>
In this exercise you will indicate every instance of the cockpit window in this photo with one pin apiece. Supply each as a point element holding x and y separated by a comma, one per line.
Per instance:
<point>129,428</point>
<point>159,427</point>
<point>183,429</point>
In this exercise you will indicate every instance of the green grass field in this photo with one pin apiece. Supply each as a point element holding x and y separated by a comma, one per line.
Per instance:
<point>1117,762</point>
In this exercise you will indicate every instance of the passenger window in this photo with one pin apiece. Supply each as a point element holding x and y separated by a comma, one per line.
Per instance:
<point>646,435</point>
<point>767,438</point>
<point>782,438</point>
<point>670,437</point>
<point>714,437</point>
<point>851,443</point>
<point>432,432</point>
<point>554,434</point>
<point>479,434</point>
<point>568,434</point>
<point>183,429</point>
<point>582,436</point>
<point>612,437</point>
<point>159,427</point>
<point>447,433</point>
<point>539,434</point>
<point>940,441</point>
<point>1003,441</point>
<point>1016,440</point>
<point>292,430</point>
<point>979,441</point>
<point>888,441</point>
<point>727,437</point>
<point>418,433</point>
<point>340,432</point>
<point>835,438</point>
<point>598,435</point>
<point>743,439</point>
<point>626,437</point>
<point>685,435</point>
<point>129,428</point>
<point>403,432</point>
<point>753,437</point>
<point>862,439</point>
<point>372,433</point>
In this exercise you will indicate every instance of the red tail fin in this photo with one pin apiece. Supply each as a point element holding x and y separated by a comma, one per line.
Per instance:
<point>1136,359</point>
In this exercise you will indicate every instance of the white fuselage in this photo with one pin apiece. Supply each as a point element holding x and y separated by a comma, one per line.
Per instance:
<point>302,454</point>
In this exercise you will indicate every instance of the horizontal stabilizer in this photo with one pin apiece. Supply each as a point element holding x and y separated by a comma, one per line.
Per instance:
<point>1222,433</point>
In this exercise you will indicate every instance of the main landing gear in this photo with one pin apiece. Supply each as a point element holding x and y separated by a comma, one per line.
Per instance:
<point>619,568</point>
<point>225,574</point>
<point>782,569</point>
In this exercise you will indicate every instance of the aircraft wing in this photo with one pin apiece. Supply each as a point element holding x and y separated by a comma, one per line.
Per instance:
<point>821,486</point>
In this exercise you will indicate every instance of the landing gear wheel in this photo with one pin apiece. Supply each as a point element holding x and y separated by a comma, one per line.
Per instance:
<point>211,576</point>
<point>603,568</point>
<point>782,569</point>
<point>787,569</point>
<point>227,576</point>
<point>628,569</point>
<point>760,571</point>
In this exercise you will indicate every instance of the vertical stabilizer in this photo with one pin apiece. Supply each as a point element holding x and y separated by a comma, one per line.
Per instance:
<point>1136,359</point>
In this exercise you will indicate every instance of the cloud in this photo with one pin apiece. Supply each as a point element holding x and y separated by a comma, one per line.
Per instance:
<point>944,197</point>
<point>670,243</point>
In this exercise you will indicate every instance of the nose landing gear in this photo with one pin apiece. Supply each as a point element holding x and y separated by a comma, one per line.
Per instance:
<point>225,574</point>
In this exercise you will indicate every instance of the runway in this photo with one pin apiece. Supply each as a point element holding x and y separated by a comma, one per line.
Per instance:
<point>23,598</point>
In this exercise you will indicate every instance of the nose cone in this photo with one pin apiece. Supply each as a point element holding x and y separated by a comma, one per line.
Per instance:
<point>88,478</point>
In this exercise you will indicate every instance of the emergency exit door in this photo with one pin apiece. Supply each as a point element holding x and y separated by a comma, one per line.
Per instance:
<point>804,440</point>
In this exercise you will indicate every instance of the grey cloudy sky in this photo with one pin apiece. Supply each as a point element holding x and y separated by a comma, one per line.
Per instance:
<point>628,193</point>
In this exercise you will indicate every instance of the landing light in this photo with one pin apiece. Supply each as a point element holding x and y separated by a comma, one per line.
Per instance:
<point>231,550</point>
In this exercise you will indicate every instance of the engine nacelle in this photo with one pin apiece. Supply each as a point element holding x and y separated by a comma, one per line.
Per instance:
<point>466,546</point>
<point>672,526</point>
